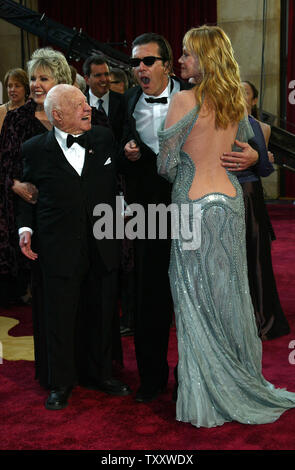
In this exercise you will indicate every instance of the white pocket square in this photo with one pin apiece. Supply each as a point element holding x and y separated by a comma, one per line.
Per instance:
<point>108,161</point>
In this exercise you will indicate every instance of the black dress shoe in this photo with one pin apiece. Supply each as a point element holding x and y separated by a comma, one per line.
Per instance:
<point>146,396</point>
<point>110,386</point>
<point>126,331</point>
<point>58,398</point>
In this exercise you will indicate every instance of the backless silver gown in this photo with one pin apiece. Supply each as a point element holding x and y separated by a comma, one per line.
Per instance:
<point>220,353</point>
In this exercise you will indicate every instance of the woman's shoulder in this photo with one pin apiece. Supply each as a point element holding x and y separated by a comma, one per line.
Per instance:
<point>23,112</point>
<point>3,107</point>
<point>3,110</point>
<point>181,104</point>
<point>184,97</point>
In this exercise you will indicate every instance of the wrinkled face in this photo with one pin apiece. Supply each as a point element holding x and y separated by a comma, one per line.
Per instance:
<point>189,66</point>
<point>153,79</point>
<point>41,81</point>
<point>250,100</point>
<point>74,113</point>
<point>99,79</point>
<point>16,91</point>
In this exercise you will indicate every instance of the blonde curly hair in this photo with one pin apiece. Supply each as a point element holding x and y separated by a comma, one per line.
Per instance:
<point>220,79</point>
<point>48,59</point>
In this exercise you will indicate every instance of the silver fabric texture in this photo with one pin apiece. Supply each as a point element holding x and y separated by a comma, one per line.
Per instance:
<point>220,353</point>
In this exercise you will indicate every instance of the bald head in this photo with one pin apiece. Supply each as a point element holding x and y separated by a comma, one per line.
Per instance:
<point>67,109</point>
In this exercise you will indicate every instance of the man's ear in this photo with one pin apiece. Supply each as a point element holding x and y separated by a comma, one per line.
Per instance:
<point>86,79</point>
<point>57,115</point>
<point>166,66</point>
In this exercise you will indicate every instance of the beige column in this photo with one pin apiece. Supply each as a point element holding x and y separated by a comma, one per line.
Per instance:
<point>242,20</point>
<point>10,47</point>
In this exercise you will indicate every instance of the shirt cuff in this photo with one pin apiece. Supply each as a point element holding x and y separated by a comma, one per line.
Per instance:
<point>25,229</point>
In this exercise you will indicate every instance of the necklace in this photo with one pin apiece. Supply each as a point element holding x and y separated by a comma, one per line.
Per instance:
<point>39,108</point>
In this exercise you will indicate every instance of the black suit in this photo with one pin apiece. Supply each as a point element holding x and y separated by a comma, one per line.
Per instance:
<point>154,303</point>
<point>116,113</point>
<point>76,347</point>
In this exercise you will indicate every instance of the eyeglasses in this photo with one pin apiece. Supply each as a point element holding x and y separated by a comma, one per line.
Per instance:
<point>148,61</point>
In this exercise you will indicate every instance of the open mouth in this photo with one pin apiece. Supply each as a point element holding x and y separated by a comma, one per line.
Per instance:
<point>145,80</point>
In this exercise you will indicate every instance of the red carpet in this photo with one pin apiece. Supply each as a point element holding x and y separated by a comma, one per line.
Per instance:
<point>94,421</point>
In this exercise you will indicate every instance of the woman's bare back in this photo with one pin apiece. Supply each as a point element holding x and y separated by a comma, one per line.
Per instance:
<point>204,145</point>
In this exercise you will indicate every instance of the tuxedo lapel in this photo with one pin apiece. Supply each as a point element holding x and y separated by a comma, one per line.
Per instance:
<point>91,152</point>
<point>131,106</point>
<point>56,154</point>
<point>133,99</point>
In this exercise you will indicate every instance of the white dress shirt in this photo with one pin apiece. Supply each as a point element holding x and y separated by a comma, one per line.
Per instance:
<point>74,154</point>
<point>93,101</point>
<point>150,116</point>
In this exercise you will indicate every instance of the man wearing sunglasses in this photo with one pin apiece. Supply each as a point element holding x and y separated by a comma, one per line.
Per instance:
<point>152,67</point>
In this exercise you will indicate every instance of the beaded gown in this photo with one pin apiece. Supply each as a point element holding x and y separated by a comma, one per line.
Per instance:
<point>219,368</point>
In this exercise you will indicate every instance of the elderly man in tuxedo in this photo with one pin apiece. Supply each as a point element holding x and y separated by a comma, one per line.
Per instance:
<point>72,167</point>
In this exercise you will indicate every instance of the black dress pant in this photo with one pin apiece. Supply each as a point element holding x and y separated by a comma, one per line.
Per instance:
<point>81,320</point>
<point>153,313</point>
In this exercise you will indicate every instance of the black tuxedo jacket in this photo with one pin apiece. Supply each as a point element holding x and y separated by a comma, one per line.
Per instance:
<point>64,210</point>
<point>143,184</point>
<point>116,113</point>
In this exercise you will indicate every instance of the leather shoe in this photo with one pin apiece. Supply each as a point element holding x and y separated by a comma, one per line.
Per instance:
<point>110,386</point>
<point>126,331</point>
<point>114,387</point>
<point>58,398</point>
<point>146,396</point>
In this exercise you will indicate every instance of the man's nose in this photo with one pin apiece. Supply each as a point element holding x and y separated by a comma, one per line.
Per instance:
<point>141,66</point>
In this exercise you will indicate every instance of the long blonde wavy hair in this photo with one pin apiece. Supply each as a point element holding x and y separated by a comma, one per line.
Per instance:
<point>220,83</point>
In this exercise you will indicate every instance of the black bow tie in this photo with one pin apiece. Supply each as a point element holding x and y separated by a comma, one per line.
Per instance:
<point>81,140</point>
<point>156,100</point>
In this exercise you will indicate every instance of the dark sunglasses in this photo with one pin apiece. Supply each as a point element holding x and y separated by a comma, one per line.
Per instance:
<point>148,61</point>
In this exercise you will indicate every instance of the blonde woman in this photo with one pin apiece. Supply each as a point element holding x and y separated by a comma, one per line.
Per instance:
<point>219,369</point>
